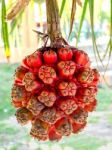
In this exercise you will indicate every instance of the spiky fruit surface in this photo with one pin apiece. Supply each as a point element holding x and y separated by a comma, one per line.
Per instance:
<point>55,89</point>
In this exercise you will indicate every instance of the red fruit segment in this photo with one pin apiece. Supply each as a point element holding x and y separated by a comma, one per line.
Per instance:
<point>16,104</point>
<point>50,56</point>
<point>81,58</point>
<point>23,115</point>
<point>85,76</point>
<point>34,60</point>
<point>47,74</point>
<point>66,68</point>
<point>53,135</point>
<point>91,106</point>
<point>19,73</point>
<point>63,127</point>
<point>24,63</point>
<point>35,106</point>
<point>50,115</point>
<point>85,99</point>
<point>39,130</point>
<point>30,82</point>
<point>67,88</point>
<point>48,98</point>
<point>78,127</point>
<point>65,54</point>
<point>18,95</point>
<point>68,106</point>
<point>96,77</point>
<point>89,91</point>
<point>79,116</point>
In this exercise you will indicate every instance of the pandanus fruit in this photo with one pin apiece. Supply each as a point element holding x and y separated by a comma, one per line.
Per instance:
<point>56,98</point>
<point>55,87</point>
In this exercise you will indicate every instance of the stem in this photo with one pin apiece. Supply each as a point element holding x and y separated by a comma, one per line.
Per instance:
<point>53,22</point>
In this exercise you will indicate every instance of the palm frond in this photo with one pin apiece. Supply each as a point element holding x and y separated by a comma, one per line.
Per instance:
<point>5,31</point>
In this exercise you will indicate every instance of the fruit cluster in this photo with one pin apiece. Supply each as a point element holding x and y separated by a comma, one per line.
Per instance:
<point>55,89</point>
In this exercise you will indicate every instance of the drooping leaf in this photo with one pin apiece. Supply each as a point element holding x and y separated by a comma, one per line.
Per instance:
<point>62,7</point>
<point>109,46</point>
<point>106,51</point>
<point>5,30</point>
<point>111,25</point>
<point>81,20</point>
<point>73,11</point>
<point>16,21</point>
<point>95,48</point>
<point>20,5</point>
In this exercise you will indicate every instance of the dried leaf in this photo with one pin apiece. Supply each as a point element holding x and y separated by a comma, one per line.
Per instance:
<point>20,4</point>
<point>79,2</point>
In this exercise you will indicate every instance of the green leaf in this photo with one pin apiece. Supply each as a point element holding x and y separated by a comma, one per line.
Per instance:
<point>62,7</point>
<point>106,51</point>
<point>95,48</point>
<point>111,25</point>
<point>81,20</point>
<point>5,30</point>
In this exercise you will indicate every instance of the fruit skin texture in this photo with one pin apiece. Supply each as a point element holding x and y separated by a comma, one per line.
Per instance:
<point>68,105</point>
<point>35,106</point>
<point>54,135</point>
<point>39,130</point>
<point>54,89</point>
<point>23,115</point>
<point>67,88</point>
<point>20,73</point>
<point>47,97</point>
<point>63,127</point>
<point>65,54</point>
<point>19,96</point>
<point>50,115</point>
<point>30,82</point>
<point>66,69</point>
<point>34,60</point>
<point>81,58</point>
<point>85,76</point>
<point>47,74</point>
<point>50,57</point>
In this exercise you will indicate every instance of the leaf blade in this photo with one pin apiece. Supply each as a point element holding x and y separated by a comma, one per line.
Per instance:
<point>73,11</point>
<point>81,20</point>
<point>5,31</point>
<point>62,7</point>
<point>95,48</point>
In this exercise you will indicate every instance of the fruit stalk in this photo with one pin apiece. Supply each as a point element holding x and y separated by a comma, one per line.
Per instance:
<point>53,22</point>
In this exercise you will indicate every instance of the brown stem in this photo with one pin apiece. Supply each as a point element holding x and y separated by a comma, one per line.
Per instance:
<point>53,22</point>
